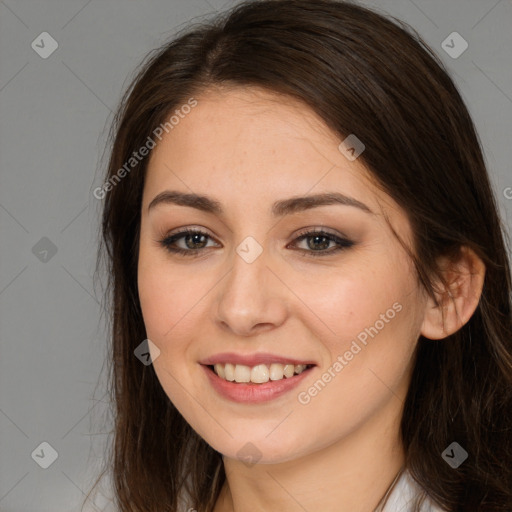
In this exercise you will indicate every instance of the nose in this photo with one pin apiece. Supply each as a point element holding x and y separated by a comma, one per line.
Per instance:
<point>251,298</point>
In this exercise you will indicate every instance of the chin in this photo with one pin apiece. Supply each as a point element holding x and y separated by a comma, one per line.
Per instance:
<point>259,449</point>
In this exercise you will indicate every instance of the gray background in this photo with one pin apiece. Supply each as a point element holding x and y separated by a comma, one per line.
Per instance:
<point>54,117</point>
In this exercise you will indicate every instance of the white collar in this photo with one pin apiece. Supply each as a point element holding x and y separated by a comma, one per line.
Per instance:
<point>403,494</point>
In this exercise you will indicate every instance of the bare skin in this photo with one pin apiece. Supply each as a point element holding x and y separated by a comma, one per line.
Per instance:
<point>339,450</point>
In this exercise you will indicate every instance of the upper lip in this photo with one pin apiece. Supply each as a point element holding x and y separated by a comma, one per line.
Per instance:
<point>252,359</point>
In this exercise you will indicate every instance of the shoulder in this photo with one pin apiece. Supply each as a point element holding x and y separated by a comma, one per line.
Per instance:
<point>403,496</point>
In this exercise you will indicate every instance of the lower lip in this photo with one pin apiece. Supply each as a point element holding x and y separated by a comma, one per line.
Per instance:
<point>247,392</point>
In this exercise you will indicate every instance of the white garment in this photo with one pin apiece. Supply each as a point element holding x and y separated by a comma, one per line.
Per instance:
<point>403,494</point>
<point>400,499</point>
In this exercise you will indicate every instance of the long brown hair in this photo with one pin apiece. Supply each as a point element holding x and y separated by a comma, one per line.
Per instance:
<point>362,73</point>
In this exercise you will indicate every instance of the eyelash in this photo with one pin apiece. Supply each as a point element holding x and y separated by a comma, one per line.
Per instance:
<point>343,243</point>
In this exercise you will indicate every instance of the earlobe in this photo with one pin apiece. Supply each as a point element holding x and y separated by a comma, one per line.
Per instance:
<point>458,299</point>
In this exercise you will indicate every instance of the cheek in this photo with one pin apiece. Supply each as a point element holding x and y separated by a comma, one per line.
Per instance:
<point>166,295</point>
<point>167,301</point>
<point>370,349</point>
<point>157,301</point>
<point>343,302</point>
<point>366,319</point>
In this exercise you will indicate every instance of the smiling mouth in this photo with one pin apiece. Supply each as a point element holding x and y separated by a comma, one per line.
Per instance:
<point>259,374</point>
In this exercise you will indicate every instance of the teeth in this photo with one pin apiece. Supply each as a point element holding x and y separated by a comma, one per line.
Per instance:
<point>229,371</point>
<point>276,371</point>
<point>258,374</point>
<point>242,373</point>
<point>288,370</point>
<point>219,370</point>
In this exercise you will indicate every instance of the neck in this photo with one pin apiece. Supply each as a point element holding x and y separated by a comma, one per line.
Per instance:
<point>351,475</point>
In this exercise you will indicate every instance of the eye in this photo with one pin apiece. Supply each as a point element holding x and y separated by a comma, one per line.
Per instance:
<point>195,241</point>
<point>318,239</point>
<point>191,237</point>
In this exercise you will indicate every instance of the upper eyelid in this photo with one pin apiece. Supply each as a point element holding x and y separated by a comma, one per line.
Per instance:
<point>319,229</point>
<point>179,232</point>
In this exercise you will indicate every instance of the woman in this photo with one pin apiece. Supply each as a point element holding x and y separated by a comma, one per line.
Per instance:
<point>303,241</point>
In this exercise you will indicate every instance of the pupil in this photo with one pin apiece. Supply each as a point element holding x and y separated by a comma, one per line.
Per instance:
<point>193,236</point>
<point>324,245</point>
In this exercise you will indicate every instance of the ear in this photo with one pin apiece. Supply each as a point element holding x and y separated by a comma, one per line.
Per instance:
<point>458,299</point>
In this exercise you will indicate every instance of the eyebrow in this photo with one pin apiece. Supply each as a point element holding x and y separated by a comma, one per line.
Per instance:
<point>279,208</point>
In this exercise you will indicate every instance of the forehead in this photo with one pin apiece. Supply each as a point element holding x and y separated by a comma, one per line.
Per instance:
<point>250,122</point>
<point>261,144</point>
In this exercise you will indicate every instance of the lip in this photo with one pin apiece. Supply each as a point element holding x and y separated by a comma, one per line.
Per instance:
<point>252,359</point>
<point>250,393</point>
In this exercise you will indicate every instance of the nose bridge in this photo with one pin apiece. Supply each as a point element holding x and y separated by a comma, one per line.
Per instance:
<point>250,294</point>
<point>245,287</point>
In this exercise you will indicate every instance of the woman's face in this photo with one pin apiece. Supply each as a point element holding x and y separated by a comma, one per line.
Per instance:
<point>254,292</point>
